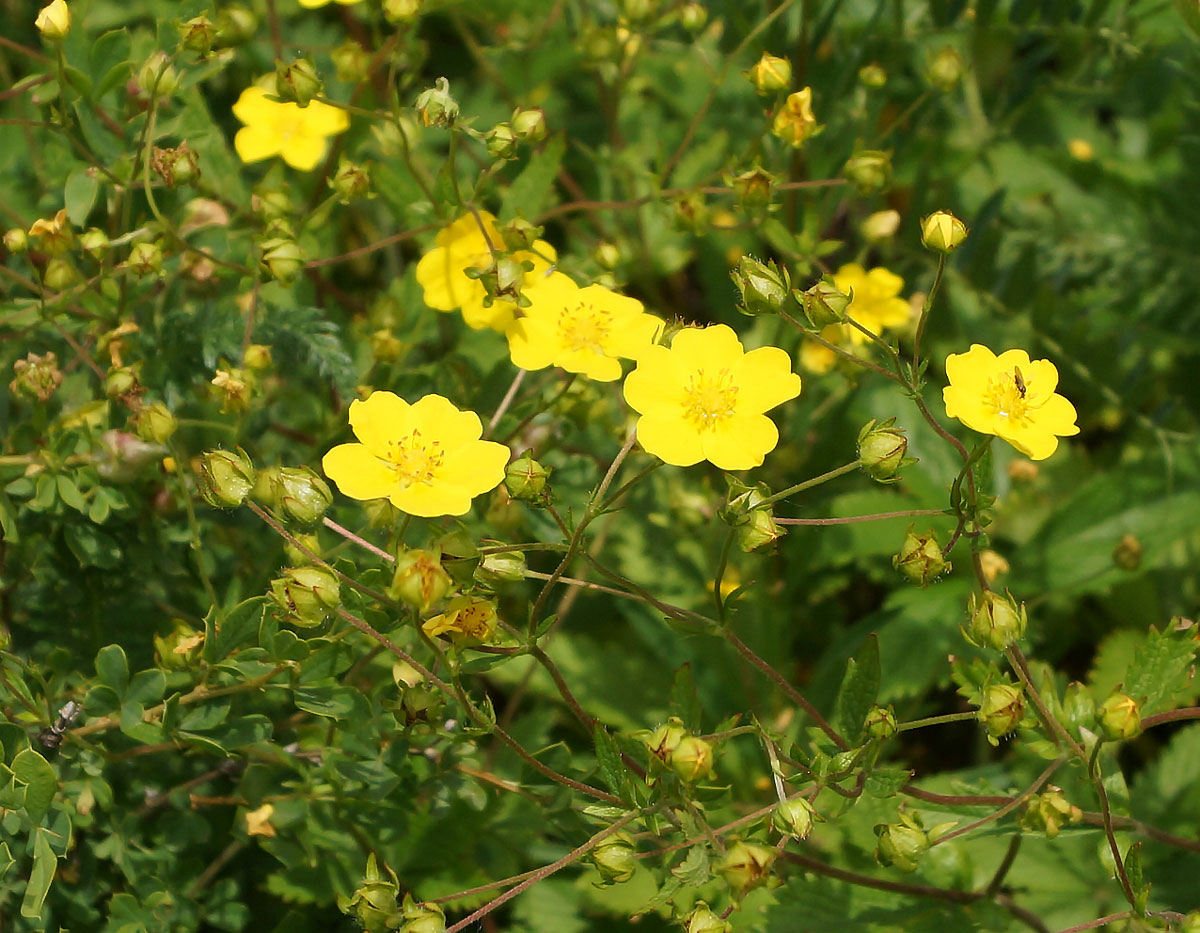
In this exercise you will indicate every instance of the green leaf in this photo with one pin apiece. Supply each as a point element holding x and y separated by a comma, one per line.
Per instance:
<point>526,196</point>
<point>685,699</point>
<point>858,692</point>
<point>886,782</point>
<point>332,702</point>
<point>40,877</point>
<point>147,686</point>
<point>6,860</point>
<point>40,780</point>
<point>79,194</point>
<point>303,341</point>
<point>93,547</point>
<point>246,730</point>
<point>608,757</point>
<point>1162,665</point>
<point>8,520</point>
<point>694,870</point>
<point>239,626</point>
<point>112,667</point>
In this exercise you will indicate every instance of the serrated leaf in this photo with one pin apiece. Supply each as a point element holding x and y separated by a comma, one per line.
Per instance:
<point>685,699</point>
<point>886,782</point>
<point>306,340</point>
<point>694,870</point>
<point>528,192</point>
<point>40,780</point>
<point>1161,666</point>
<point>112,667</point>
<point>860,687</point>
<point>608,759</point>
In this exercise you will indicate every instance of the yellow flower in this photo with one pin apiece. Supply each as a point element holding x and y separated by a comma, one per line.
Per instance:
<point>1081,150</point>
<point>461,246</point>
<point>794,121</point>
<point>425,458</point>
<point>704,397</point>
<point>54,20</point>
<point>1009,396</point>
<point>284,129</point>
<point>313,4</point>
<point>875,302</point>
<point>466,619</point>
<point>583,330</point>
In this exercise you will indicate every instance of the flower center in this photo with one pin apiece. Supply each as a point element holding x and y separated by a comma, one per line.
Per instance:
<point>584,328</point>
<point>414,459</point>
<point>1006,396</point>
<point>709,399</point>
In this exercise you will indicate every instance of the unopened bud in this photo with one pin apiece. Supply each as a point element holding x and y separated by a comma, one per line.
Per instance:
<point>702,919</point>
<point>297,81</point>
<point>436,107</point>
<point>295,555</point>
<point>996,621</point>
<point>615,858</point>
<point>501,141</point>
<point>283,259</point>
<point>494,570</point>
<point>920,558</point>
<point>754,190</point>
<point>763,287</point>
<point>881,450</point>
<point>745,865</point>
<point>156,78</point>
<point>16,240</point>
<point>145,259</point>
<point>122,382</point>
<point>942,232</point>
<point>351,61</point>
<point>257,356</point>
<point>662,741</point>
<point>880,226</point>
<point>901,845</point>
<point>824,303</point>
<point>176,166</point>
<point>607,255</point>
<point>945,68</point>
<point>198,35</point>
<point>770,74</point>
<point>1047,812</point>
<point>351,181</point>
<point>870,170</point>
<point>94,242</point>
<point>872,75</point>
<point>525,479</point>
<point>419,579</point>
<point>155,423</point>
<point>1120,717</point>
<point>1001,710</point>
<point>307,594</point>
<point>226,477</point>
<point>692,759</point>
<point>793,818</point>
<point>36,377</point>
<point>529,125</point>
<point>60,274</point>
<point>54,20</point>
<point>880,722</point>
<point>693,16</point>
<point>300,495</point>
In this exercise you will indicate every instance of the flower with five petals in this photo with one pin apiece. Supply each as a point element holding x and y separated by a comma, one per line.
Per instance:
<point>274,128</point>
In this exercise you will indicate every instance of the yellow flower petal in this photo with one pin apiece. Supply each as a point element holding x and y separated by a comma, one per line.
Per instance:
<point>253,144</point>
<point>476,467</point>
<point>740,442</point>
<point>378,419</point>
<point>706,347</point>
<point>431,501</point>
<point>970,371</point>
<point>435,415</point>
<point>670,439</point>
<point>657,383</point>
<point>531,343</point>
<point>765,379</point>
<point>304,152</point>
<point>358,473</point>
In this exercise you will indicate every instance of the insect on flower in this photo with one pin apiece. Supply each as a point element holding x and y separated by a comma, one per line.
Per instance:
<point>1020,381</point>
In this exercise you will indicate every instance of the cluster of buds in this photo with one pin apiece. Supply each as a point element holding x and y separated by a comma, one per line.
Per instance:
<point>746,865</point>
<point>996,621</point>
<point>615,858</point>
<point>176,166</point>
<point>307,595</point>
<point>794,122</point>
<point>764,287</point>
<point>436,106</point>
<point>526,481</point>
<point>794,818</point>
<point>942,232</point>
<point>920,557</point>
<point>1045,813</point>
<point>753,522</point>
<point>1120,717</point>
<point>673,747</point>
<point>1001,709</point>
<point>374,904</point>
<point>468,620</point>
<point>882,449</point>
<point>297,82</point>
<point>824,303</point>
<point>36,377</point>
<point>419,579</point>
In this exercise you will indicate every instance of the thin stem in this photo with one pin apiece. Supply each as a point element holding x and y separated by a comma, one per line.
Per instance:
<point>935,721</point>
<point>361,542</point>
<point>506,401</point>
<point>852,519</point>
<point>1008,807</point>
<point>1092,924</point>
<point>925,308</point>
<point>808,484</point>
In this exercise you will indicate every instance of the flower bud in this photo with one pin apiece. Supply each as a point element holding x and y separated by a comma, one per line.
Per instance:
<point>525,479</point>
<point>793,818</point>
<point>693,16</point>
<point>401,11</point>
<point>175,166</point>
<point>236,24</point>
<point>763,287</point>
<point>95,242</point>
<point>754,190</point>
<point>920,558</point>
<point>745,865</point>
<point>351,181</point>
<point>1001,710</point>
<point>155,423</point>
<point>424,917</point>
<point>283,259</point>
<point>942,232</point>
<point>996,621</point>
<point>257,356</point>
<point>692,213</point>
<point>1127,555</point>
<point>54,20</point>
<point>197,35</point>
<point>901,845</point>
<point>419,579</point>
<point>663,740</point>
<point>615,858</point>
<point>436,107</point>
<point>1120,717</point>
<point>529,125</point>
<point>770,74</point>
<point>824,303</point>
<point>226,478</point>
<point>60,274</point>
<point>233,387</point>
<point>351,61</point>
<point>794,122</point>
<point>156,78</point>
<point>703,920</point>
<point>945,68</point>
<point>36,377</point>
<point>145,259</point>
<point>501,141</point>
<point>880,722</point>
<point>519,233</point>
<point>760,531</point>
<point>373,905</point>
<point>52,236</point>
<point>692,759</point>
<point>467,620</point>
<point>1079,708</point>
<point>307,594</point>
<point>178,648</point>
<point>880,226</point>
<point>297,557</point>
<point>16,240</point>
<point>297,81</point>
<point>869,170</point>
<point>881,450</point>
<point>494,570</point>
<point>1047,812</point>
<point>122,382</point>
<point>872,75</point>
<point>607,255</point>
<point>300,495</point>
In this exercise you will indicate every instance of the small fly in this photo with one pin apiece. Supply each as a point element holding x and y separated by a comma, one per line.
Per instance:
<point>1020,381</point>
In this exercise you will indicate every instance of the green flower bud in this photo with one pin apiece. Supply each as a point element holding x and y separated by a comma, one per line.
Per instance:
<point>16,240</point>
<point>307,594</point>
<point>300,495</point>
<point>1128,553</point>
<point>197,35</point>
<point>1047,812</point>
<point>754,190</point>
<point>1120,717</point>
<point>351,181</point>
<point>422,917</point>
<point>519,233</point>
<point>945,68</point>
<point>145,259</point>
<point>226,478</point>
<point>497,569</point>
<point>123,382</point>
<point>663,740</point>
<point>36,377</point>
<point>793,818</point>
<point>351,61</point>
<point>692,214</point>
<point>295,556</point>
<point>615,858</point>
<point>823,303</point>
<point>996,621</point>
<point>401,11</point>
<point>59,274</point>
<point>770,74</point>
<point>374,905</point>
<point>54,20</point>
<point>881,450</point>
<point>236,24</point>
<point>297,81</point>
<point>901,845</point>
<point>1001,711</point>
<point>763,287</point>
<point>745,865</point>
<point>420,704</point>
<point>501,141</point>
<point>272,204</point>
<point>942,232</point>
<point>436,107</point>
<point>95,242</point>
<point>156,78</point>
<point>881,722</point>
<point>607,255</point>
<point>760,531</point>
<point>525,479</point>
<point>529,125</point>
<point>693,16</point>
<point>872,75</point>
<point>701,919</point>
<point>175,166</point>
<point>920,557</point>
<point>283,259</point>
<point>419,580</point>
<point>1079,708</point>
<point>692,759</point>
<point>155,423</point>
<point>869,170</point>
<point>257,357</point>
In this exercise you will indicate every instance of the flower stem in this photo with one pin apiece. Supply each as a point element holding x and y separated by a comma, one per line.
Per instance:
<point>925,309</point>
<point>808,484</point>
